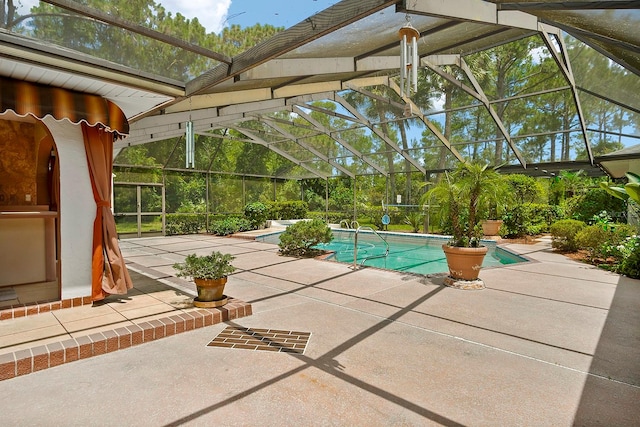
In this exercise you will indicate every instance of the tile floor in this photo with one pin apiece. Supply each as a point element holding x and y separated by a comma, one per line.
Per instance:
<point>158,300</point>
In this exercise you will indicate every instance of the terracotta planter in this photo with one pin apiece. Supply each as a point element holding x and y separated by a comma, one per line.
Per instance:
<point>464,263</point>
<point>210,289</point>
<point>491,227</point>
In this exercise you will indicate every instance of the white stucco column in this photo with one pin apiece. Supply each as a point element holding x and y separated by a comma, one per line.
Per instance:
<point>77,209</point>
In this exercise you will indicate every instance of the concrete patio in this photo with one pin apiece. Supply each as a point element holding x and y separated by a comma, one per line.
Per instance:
<point>551,342</point>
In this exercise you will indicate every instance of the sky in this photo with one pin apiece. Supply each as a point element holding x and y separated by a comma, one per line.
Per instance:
<point>214,15</point>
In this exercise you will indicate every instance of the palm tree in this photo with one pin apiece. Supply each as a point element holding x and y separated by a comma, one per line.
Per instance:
<point>462,194</point>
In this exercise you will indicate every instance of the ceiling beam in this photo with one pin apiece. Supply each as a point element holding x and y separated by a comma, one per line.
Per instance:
<point>562,60</point>
<point>307,147</point>
<point>339,140</point>
<point>256,139</point>
<point>472,11</point>
<point>30,51</point>
<point>475,92</point>
<point>312,28</point>
<point>380,134</point>
<point>569,5</point>
<point>418,112</point>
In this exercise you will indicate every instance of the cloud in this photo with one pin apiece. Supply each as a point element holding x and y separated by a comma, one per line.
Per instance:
<point>212,14</point>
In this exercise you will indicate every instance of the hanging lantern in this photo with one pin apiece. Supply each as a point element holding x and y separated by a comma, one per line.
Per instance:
<point>408,59</point>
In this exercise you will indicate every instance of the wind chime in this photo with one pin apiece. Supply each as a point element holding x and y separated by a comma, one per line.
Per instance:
<point>190,146</point>
<point>408,59</point>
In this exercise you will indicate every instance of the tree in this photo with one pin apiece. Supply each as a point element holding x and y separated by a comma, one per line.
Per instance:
<point>101,40</point>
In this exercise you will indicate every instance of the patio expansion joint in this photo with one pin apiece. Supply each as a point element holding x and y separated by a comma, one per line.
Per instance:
<point>502,350</point>
<point>549,299</point>
<point>39,357</point>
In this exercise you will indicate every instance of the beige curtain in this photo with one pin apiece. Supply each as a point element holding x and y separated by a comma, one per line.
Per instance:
<point>109,273</point>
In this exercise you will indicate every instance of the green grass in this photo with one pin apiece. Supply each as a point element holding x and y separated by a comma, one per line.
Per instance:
<point>131,226</point>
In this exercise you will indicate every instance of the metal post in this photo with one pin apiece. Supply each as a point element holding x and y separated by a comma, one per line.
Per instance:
<point>206,201</point>
<point>355,215</point>
<point>244,192</point>
<point>326,200</point>
<point>164,205</point>
<point>139,209</point>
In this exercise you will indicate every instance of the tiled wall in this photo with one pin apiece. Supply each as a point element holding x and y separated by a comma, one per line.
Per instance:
<point>18,163</point>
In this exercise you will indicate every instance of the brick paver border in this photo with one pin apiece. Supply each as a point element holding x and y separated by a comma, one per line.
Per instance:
<point>22,310</point>
<point>24,362</point>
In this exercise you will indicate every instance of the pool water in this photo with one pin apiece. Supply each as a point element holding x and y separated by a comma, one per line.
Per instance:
<point>414,254</point>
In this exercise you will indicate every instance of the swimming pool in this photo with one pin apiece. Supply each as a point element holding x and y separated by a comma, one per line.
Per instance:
<point>420,254</point>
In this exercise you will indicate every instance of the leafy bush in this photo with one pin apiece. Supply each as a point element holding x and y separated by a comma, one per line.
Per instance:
<point>529,219</point>
<point>257,213</point>
<point>214,266</point>
<point>584,207</point>
<point>564,232</point>
<point>296,209</point>
<point>184,223</point>
<point>333,217</point>
<point>595,240</point>
<point>630,265</point>
<point>299,238</point>
<point>524,189</point>
<point>229,226</point>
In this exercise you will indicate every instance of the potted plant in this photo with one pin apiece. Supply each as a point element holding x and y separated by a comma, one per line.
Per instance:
<point>209,272</point>
<point>494,196</point>
<point>460,196</point>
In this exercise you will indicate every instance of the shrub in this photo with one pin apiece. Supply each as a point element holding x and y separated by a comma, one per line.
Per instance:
<point>584,207</point>
<point>563,234</point>
<point>257,213</point>
<point>184,223</point>
<point>630,265</point>
<point>333,217</point>
<point>229,226</point>
<point>296,209</point>
<point>529,219</point>
<point>214,266</point>
<point>299,238</point>
<point>595,240</point>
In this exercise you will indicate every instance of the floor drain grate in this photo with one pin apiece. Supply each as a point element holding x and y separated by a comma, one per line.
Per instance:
<point>262,339</point>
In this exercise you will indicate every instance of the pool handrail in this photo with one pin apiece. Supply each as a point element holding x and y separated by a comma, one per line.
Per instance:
<point>355,246</point>
<point>348,225</point>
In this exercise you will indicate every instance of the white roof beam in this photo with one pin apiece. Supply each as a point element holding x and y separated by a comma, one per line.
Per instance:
<point>562,59</point>
<point>335,17</point>
<point>278,68</point>
<point>307,147</point>
<point>306,89</point>
<point>492,112</point>
<point>472,10</point>
<point>369,81</point>
<point>477,93</point>
<point>299,67</point>
<point>416,111</point>
<point>256,139</point>
<point>339,140</point>
<point>380,134</point>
